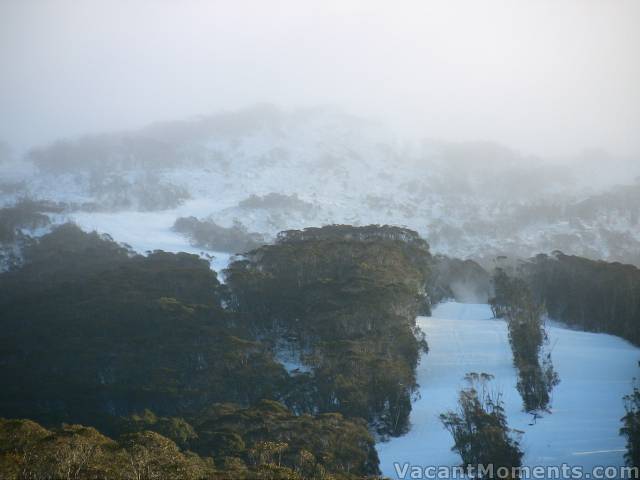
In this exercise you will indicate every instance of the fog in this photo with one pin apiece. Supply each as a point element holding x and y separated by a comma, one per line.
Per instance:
<point>492,128</point>
<point>213,211</point>
<point>550,78</point>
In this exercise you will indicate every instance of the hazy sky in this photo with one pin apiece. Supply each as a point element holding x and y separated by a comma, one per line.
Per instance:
<point>544,76</point>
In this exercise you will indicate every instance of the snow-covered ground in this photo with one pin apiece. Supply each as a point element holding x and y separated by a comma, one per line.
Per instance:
<point>596,371</point>
<point>144,232</point>
<point>469,200</point>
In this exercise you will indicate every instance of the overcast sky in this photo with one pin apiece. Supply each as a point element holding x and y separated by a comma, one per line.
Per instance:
<point>545,76</point>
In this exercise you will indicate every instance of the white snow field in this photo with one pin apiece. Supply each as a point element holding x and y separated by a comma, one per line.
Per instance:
<point>146,231</point>
<point>596,371</point>
<point>473,200</point>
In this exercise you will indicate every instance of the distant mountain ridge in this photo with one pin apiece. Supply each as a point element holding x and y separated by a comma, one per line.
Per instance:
<point>270,170</point>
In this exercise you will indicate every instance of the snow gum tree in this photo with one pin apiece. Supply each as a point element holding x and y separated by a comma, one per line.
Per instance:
<point>527,335</point>
<point>631,427</point>
<point>479,427</point>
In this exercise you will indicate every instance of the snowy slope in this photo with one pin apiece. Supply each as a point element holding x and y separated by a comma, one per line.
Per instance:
<point>469,199</point>
<point>144,232</point>
<point>596,371</point>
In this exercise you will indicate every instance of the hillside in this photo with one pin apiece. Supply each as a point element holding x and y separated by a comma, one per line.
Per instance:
<point>265,170</point>
<point>98,335</point>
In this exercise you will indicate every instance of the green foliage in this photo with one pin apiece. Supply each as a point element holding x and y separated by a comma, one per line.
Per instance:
<point>175,428</point>
<point>76,452</point>
<point>207,234</point>
<point>27,214</point>
<point>98,335</point>
<point>479,427</point>
<point>514,302</point>
<point>265,442</point>
<point>631,427</point>
<point>270,434</point>
<point>92,330</point>
<point>594,295</point>
<point>347,297</point>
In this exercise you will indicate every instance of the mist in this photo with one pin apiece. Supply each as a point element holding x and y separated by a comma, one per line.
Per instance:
<point>549,78</point>
<point>493,128</point>
<point>271,238</point>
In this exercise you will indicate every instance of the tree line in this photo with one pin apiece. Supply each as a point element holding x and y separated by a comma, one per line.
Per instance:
<point>514,302</point>
<point>93,333</point>
<point>594,295</point>
<point>480,430</point>
<point>347,297</point>
<point>223,442</point>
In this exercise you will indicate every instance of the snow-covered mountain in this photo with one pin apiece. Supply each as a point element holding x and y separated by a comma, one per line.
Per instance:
<point>270,170</point>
